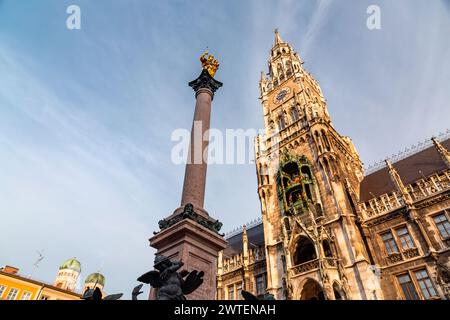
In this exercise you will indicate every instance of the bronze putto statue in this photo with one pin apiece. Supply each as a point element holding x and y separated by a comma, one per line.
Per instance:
<point>169,283</point>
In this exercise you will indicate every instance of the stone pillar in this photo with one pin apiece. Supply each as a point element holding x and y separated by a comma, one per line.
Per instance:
<point>190,234</point>
<point>246,257</point>
<point>220,295</point>
<point>195,173</point>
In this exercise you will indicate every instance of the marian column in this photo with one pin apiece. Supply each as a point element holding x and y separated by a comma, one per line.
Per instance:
<point>190,234</point>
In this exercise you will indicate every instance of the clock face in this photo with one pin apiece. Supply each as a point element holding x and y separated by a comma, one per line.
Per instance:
<point>281,95</point>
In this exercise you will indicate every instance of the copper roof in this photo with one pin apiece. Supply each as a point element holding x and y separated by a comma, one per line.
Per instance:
<point>428,161</point>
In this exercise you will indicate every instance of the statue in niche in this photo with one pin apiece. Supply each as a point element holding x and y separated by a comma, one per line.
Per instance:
<point>170,284</point>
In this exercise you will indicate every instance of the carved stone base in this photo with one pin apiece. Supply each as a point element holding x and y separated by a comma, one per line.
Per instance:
<point>198,247</point>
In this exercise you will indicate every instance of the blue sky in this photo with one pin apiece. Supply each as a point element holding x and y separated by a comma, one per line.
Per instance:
<point>86,115</point>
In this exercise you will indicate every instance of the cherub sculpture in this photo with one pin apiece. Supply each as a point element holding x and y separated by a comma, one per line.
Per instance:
<point>170,284</point>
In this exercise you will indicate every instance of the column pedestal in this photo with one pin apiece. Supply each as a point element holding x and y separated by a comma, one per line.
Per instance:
<point>197,247</point>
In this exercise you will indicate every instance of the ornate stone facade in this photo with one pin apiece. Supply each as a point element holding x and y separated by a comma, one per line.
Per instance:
<point>328,231</point>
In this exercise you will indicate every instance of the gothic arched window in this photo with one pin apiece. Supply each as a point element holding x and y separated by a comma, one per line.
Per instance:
<point>280,71</point>
<point>304,251</point>
<point>288,68</point>
<point>327,166</point>
<point>281,122</point>
<point>272,127</point>
<point>294,114</point>
<point>266,174</point>
<point>315,111</point>
<point>327,249</point>
<point>325,140</point>
<point>317,140</point>
<point>339,294</point>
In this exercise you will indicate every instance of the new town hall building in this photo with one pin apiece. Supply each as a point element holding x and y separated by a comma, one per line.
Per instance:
<point>328,231</point>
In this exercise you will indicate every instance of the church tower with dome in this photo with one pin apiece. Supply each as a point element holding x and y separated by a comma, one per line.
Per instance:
<point>68,274</point>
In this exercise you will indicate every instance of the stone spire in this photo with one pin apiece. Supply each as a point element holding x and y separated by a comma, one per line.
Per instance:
<point>398,183</point>
<point>246,259</point>
<point>283,64</point>
<point>445,154</point>
<point>245,243</point>
<point>278,39</point>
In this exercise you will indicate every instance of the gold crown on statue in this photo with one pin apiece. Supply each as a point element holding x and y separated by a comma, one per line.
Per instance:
<point>209,63</point>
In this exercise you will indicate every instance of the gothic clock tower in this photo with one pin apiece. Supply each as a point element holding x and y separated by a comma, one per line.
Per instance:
<point>309,178</point>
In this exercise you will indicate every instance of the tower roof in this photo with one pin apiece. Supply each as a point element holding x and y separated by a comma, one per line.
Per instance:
<point>255,236</point>
<point>72,264</point>
<point>95,278</point>
<point>278,39</point>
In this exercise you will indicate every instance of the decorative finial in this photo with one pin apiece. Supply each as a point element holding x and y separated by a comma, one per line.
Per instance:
<point>278,39</point>
<point>209,63</point>
<point>445,154</point>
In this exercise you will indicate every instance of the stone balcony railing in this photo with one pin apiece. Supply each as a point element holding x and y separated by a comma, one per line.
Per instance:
<point>417,191</point>
<point>237,261</point>
<point>330,262</point>
<point>404,255</point>
<point>424,188</point>
<point>305,267</point>
<point>233,263</point>
<point>381,205</point>
<point>256,254</point>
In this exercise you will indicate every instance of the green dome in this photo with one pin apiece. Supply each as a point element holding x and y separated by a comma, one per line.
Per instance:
<point>72,264</point>
<point>95,277</point>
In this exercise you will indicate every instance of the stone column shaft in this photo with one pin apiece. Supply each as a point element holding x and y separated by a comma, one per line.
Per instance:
<point>195,173</point>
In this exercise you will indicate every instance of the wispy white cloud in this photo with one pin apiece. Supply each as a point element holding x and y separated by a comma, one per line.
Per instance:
<point>86,117</point>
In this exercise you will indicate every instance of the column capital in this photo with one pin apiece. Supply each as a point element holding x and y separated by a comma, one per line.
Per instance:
<point>205,82</point>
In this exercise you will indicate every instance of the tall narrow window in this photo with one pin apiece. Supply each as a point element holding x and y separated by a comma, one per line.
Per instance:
<point>281,122</point>
<point>12,294</point>
<point>288,68</point>
<point>405,239</point>
<point>389,243</point>
<point>239,291</point>
<point>26,295</point>
<point>2,290</point>
<point>272,127</point>
<point>326,141</point>
<point>260,285</point>
<point>294,114</point>
<point>425,284</point>
<point>408,287</point>
<point>231,292</point>
<point>327,249</point>
<point>442,224</point>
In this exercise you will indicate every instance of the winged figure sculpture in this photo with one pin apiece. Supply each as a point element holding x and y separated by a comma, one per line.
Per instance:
<point>169,283</point>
